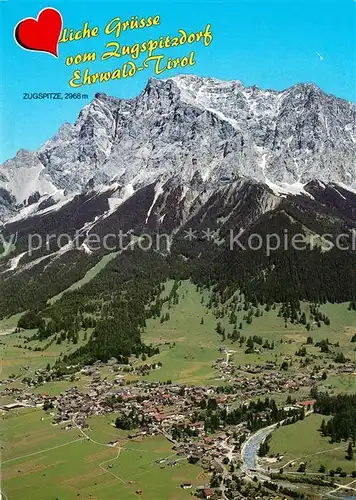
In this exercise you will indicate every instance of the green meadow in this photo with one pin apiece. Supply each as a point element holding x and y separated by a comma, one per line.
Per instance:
<point>302,442</point>
<point>193,346</point>
<point>54,463</point>
<point>21,362</point>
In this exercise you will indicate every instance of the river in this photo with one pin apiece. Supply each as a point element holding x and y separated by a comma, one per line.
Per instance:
<point>251,446</point>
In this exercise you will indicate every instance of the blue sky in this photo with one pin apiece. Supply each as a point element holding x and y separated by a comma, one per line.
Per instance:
<point>272,44</point>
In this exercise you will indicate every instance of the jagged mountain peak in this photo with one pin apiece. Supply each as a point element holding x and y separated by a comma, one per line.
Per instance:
<point>203,130</point>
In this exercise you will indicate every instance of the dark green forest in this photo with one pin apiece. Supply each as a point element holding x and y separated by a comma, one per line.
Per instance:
<point>342,425</point>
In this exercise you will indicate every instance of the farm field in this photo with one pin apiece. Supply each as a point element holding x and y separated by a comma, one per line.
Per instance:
<point>65,464</point>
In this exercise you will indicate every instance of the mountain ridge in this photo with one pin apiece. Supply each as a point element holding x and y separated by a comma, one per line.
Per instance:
<point>205,131</point>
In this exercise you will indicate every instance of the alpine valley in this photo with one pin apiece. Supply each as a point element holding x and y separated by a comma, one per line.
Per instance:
<point>187,153</point>
<point>128,276</point>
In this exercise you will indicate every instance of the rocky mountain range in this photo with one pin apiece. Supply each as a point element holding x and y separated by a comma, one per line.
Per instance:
<point>203,132</point>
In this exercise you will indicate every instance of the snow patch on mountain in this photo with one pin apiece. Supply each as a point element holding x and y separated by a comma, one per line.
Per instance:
<point>25,175</point>
<point>281,190</point>
<point>158,192</point>
<point>13,263</point>
<point>347,188</point>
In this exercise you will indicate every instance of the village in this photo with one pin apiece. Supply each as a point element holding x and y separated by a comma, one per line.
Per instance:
<point>203,423</point>
<point>155,409</point>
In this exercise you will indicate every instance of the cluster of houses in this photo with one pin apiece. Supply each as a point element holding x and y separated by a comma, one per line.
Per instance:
<point>248,380</point>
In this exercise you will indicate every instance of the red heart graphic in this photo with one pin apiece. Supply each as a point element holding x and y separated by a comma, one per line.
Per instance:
<point>41,34</point>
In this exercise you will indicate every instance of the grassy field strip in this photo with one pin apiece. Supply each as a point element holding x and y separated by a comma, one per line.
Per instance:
<point>88,437</point>
<point>11,321</point>
<point>145,472</point>
<point>89,275</point>
<point>109,471</point>
<point>136,449</point>
<point>19,376</point>
<point>106,461</point>
<point>112,473</point>
<point>117,457</point>
<point>195,344</point>
<point>311,455</point>
<point>41,451</point>
<point>24,423</point>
